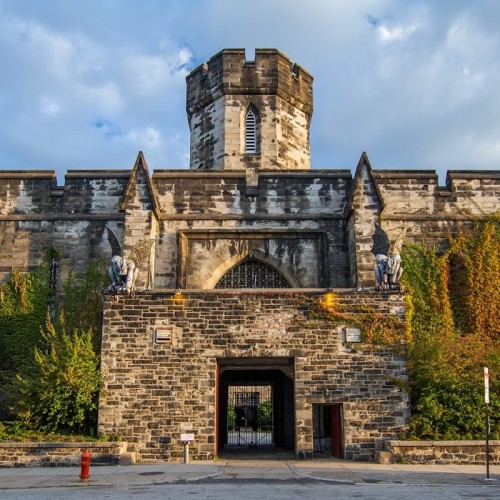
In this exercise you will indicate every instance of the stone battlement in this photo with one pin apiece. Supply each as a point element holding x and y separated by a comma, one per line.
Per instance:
<point>229,73</point>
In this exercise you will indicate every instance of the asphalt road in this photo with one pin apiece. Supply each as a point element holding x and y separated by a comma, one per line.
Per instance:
<point>231,489</point>
<point>253,479</point>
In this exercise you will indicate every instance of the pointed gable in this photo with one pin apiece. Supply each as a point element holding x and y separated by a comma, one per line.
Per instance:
<point>140,192</point>
<point>364,186</point>
<point>366,205</point>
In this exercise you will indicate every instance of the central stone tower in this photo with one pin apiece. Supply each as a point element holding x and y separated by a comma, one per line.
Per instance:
<point>249,114</point>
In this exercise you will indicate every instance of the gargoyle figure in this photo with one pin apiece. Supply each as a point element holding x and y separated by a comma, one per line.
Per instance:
<point>124,270</point>
<point>388,269</point>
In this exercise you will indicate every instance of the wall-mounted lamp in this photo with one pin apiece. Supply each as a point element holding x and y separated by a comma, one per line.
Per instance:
<point>178,297</point>
<point>330,298</point>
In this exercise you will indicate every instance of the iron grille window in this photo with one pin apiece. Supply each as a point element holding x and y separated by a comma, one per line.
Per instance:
<point>250,132</point>
<point>252,274</point>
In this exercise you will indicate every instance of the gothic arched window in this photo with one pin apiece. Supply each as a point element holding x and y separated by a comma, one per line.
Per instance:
<point>251,130</point>
<point>252,274</point>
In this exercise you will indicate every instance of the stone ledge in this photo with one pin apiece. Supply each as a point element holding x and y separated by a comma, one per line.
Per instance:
<point>439,452</point>
<point>426,444</point>
<point>53,217</point>
<point>48,454</point>
<point>61,444</point>
<point>28,174</point>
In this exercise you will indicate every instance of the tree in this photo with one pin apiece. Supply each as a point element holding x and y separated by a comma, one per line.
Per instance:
<point>265,415</point>
<point>60,394</point>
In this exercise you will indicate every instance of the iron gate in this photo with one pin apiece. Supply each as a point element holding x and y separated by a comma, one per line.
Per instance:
<point>250,418</point>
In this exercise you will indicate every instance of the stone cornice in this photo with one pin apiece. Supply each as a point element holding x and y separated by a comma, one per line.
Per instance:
<point>61,217</point>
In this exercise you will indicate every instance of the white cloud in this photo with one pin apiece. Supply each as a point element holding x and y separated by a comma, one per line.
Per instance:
<point>394,34</point>
<point>463,68</point>
<point>152,72</point>
<point>99,98</point>
<point>148,136</point>
<point>90,84</point>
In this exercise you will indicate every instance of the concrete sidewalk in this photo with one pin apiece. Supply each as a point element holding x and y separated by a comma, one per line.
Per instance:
<point>362,472</point>
<point>172,472</point>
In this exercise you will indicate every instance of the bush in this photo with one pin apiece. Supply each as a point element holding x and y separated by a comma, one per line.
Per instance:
<point>60,394</point>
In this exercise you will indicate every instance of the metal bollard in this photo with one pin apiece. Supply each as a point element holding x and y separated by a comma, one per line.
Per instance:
<point>85,465</point>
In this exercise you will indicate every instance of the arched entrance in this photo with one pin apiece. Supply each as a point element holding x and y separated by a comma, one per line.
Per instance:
<point>252,269</point>
<point>255,404</point>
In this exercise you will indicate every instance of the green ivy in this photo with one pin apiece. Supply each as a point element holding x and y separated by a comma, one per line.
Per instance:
<point>24,300</point>
<point>82,301</point>
<point>29,343</point>
<point>452,312</point>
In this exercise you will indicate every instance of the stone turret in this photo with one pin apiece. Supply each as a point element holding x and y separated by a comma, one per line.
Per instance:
<point>249,114</point>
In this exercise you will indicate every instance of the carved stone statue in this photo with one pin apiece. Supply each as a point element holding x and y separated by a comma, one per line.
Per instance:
<point>124,271</point>
<point>388,269</point>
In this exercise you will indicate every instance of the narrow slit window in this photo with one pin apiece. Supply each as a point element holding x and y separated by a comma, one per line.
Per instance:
<point>250,131</point>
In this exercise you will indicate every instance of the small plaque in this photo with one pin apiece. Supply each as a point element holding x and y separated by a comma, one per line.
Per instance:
<point>163,335</point>
<point>186,438</point>
<point>352,334</point>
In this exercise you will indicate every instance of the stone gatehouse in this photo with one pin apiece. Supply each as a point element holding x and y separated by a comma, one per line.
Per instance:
<point>175,362</point>
<point>220,340</point>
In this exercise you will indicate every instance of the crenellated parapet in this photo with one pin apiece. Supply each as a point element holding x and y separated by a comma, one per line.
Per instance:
<point>36,214</point>
<point>413,200</point>
<point>230,73</point>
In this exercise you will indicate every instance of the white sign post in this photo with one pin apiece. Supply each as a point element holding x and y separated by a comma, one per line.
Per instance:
<point>486,385</point>
<point>186,439</point>
<point>487,401</point>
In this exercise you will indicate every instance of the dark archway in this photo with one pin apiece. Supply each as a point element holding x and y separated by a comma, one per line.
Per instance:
<point>256,404</point>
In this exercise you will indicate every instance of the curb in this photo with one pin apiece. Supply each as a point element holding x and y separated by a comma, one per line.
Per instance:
<point>294,469</point>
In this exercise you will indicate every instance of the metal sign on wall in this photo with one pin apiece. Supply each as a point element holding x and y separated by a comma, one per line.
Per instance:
<point>352,334</point>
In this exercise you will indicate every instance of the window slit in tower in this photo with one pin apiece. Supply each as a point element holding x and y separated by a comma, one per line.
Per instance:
<point>250,132</point>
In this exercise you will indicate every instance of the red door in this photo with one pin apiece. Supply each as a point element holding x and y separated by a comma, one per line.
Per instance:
<point>336,430</point>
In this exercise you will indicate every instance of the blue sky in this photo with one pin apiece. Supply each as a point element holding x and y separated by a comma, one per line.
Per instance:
<point>86,85</point>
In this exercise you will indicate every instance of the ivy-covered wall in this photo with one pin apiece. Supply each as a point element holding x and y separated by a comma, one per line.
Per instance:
<point>453,307</point>
<point>49,373</point>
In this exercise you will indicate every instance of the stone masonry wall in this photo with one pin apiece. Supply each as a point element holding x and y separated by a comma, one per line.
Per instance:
<point>35,214</point>
<point>416,201</point>
<point>413,200</point>
<point>297,220</point>
<point>155,391</point>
